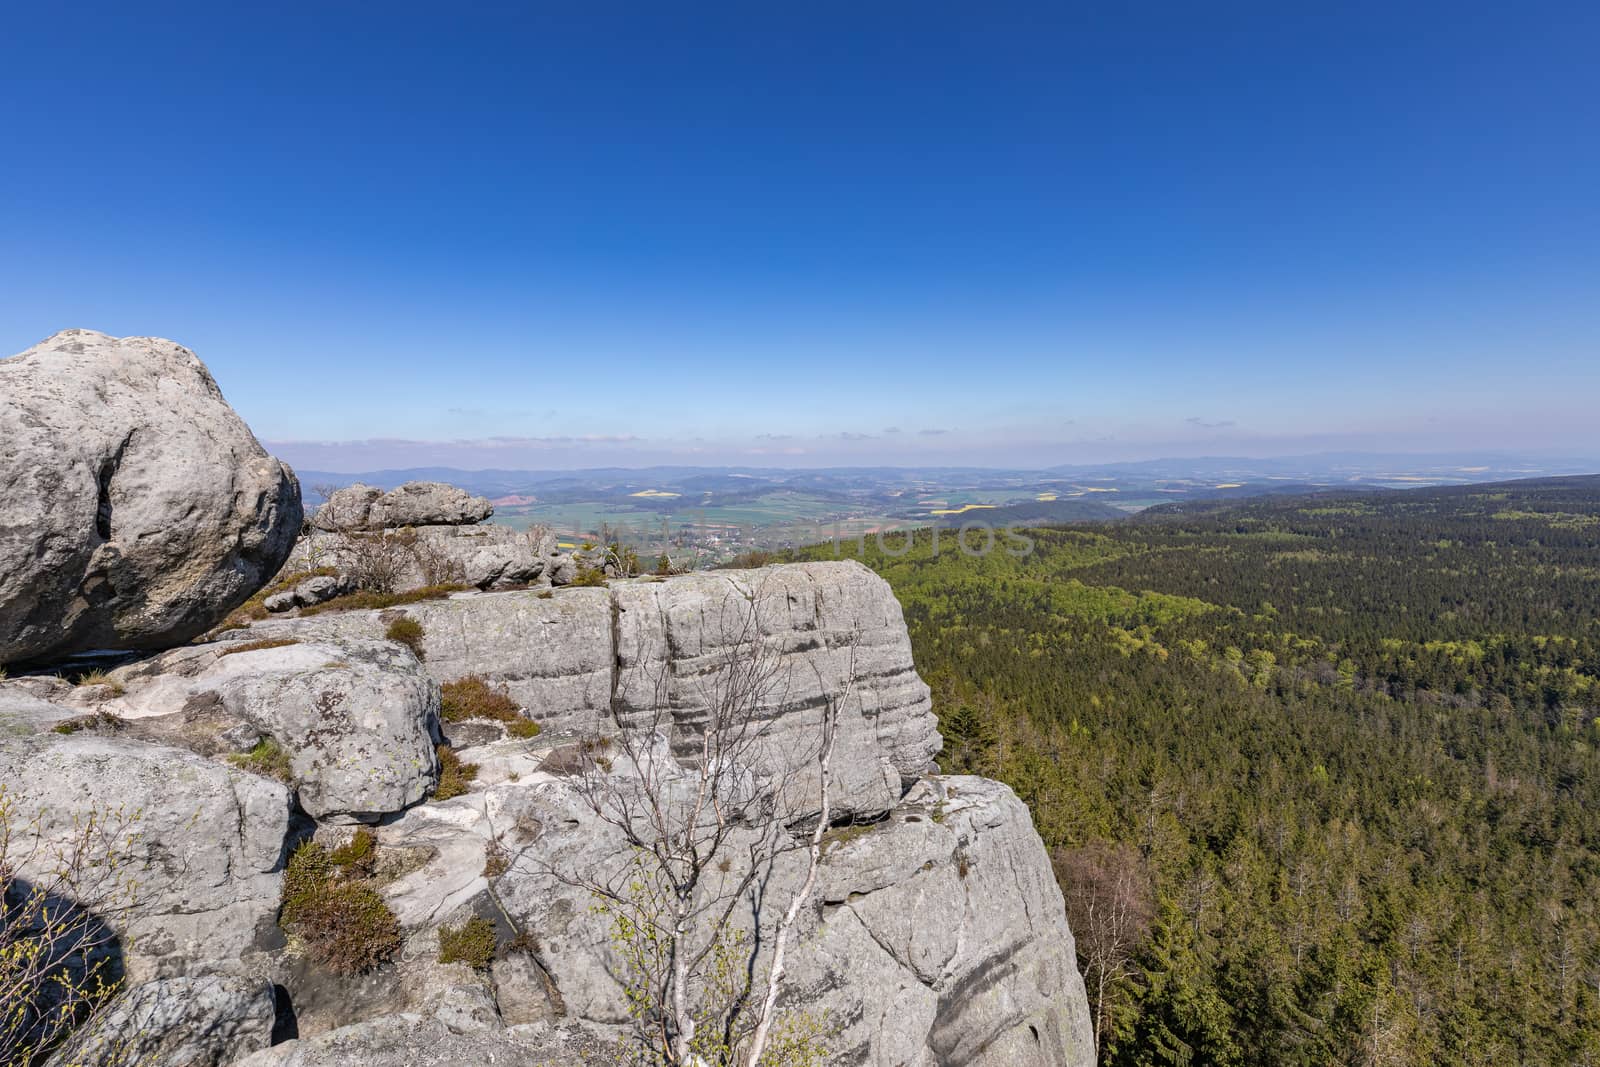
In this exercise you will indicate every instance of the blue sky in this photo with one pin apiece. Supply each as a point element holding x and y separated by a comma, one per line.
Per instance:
<point>538,236</point>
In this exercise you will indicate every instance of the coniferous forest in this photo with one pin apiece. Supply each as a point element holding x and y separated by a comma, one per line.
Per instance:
<point>1320,776</point>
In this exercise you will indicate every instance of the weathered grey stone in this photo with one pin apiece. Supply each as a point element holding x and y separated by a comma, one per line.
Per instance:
<point>563,569</point>
<point>24,712</point>
<point>361,507</point>
<point>636,655</point>
<point>209,1021</point>
<point>317,589</point>
<point>485,557</point>
<point>285,601</point>
<point>203,843</point>
<point>937,934</point>
<point>412,1040</point>
<point>357,717</point>
<point>136,508</point>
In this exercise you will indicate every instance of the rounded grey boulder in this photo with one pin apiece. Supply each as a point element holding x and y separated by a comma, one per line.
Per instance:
<point>360,507</point>
<point>136,507</point>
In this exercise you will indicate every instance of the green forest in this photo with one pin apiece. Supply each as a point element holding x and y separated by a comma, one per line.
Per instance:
<point>1320,776</point>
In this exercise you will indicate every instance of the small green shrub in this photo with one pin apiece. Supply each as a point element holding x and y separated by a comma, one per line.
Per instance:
<point>344,922</point>
<point>309,870</point>
<point>258,646</point>
<point>590,576</point>
<point>408,632</point>
<point>473,698</point>
<point>268,759</point>
<point>453,774</point>
<point>349,929</point>
<point>471,943</point>
<point>522,729</point>
<point>358,857</point>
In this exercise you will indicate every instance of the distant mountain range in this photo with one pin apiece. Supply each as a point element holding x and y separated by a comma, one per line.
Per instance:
<point>1204,476</point>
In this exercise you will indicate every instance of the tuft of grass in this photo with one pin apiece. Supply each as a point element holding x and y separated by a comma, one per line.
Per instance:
<point>258,646</point>
<point>99,677</point>
<point>100,720</point>
<point>453,774</point>
<point>358,857</point>
<point>471,943</point>
<point>344,922</point>
<point>522,729</point>
<point>268,759</point>
<point>368,600</point>
<point>407,631</point>
<point>308,871</point>
<point>547,594</point>
<point>473,697</point>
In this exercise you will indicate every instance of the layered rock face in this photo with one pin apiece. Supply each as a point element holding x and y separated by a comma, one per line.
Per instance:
<point>136,508</point>
<point>640,655</point>
<point>938,934</point>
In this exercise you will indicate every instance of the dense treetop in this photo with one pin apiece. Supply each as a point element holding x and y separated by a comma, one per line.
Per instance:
<point>1321,774</point>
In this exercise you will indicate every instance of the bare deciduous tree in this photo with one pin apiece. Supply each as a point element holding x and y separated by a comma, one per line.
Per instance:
<point>709,806</point>
<point>1109,908</point>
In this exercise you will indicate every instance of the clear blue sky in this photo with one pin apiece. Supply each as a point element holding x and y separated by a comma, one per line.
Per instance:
<point>537,236</point>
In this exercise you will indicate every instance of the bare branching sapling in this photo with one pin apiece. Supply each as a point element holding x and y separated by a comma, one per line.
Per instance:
<point>711,800</point>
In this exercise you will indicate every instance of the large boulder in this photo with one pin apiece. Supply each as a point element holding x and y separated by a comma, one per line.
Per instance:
<point>355,719</point>
<point>362,507</point>
<point>186,852</point>
<point>136,508</point>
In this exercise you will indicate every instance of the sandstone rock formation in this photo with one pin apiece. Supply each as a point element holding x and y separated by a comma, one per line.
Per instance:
<point>356,719</point>
<point>362,507</point>
<point>177,1022</point>
<point>136,508</point>
<point>484,557</point>
<point>593,659</point>
<point>936,934</point>
<point>201,843</point>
